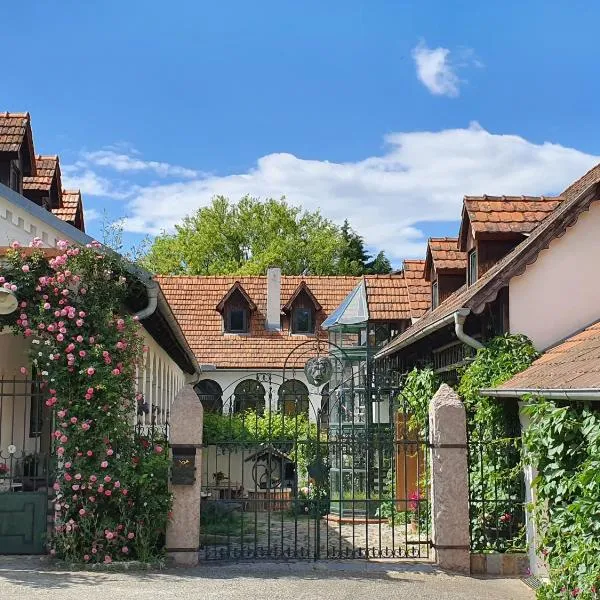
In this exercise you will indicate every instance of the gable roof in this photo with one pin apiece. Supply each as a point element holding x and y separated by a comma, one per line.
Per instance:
<point>47,169</point>
<point>71,209</point>
<point>237,287</point>
<point>444,255</point>
<point>193,300</point>
<point>571,365</point>
<point>302,287</point>
<point>503,215</point>
<point>15,131</point>
<point>419,292</point>
<point>486,288</point>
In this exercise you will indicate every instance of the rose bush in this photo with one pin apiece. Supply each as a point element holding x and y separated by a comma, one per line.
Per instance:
<point>111,499</point>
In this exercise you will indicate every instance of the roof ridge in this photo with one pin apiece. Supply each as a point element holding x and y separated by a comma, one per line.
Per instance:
<point>14,115</point>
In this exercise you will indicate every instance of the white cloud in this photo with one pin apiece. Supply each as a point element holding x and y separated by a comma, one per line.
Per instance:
<point>125,162</point>
<point>438,72</point>
<point>421,176</point>
<point>81,177</point>
<point>91,214</point>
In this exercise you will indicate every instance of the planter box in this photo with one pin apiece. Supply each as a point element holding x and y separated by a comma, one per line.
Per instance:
<point>511,565</point>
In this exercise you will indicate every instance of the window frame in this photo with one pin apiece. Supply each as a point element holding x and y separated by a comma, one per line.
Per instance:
<point>472,267</point>
<point>245,319</point>
<point>311,321</point>
<point>435,294</point>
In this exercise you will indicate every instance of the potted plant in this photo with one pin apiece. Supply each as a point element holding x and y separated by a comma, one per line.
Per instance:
<point>219,476</point>
<point>414,502</point>
<point>4,477</point>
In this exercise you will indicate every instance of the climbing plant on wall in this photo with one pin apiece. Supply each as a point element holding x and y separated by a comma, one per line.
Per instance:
<point>563,442</point>
<point>110,491</point>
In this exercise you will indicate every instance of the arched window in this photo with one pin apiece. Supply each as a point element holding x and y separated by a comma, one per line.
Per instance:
<point>293,398</point>
<point>249,395</point>
<point>210,395</point>
<point>325,405</point>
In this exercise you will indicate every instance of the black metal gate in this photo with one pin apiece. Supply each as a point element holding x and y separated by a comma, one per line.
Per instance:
<point>334,470</point>
<point>25,430</point>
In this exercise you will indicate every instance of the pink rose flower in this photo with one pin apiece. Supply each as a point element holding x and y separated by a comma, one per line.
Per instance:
<point>130,535</point>
<point>82,511</point>
<point>90,453</point>
<point>108,493</point>
<point>86,557</point>
<point>60,337</point>
<point>107,559</point>
<point>47,305</point>
<point>110,452</point>
<point>79,338</point>
<point>68,465</point>
<point>85,426</point>
<point>25,268</point>
<point>117,484</point>
<point>107,479</point>
<point>79,322</point>
<point>93,478</point>
<point>109,535</point>
<point>124,549</point>
<point>78,476</point>
<point>82,353</point>
<point>91,371</point>
<point>64,439</point>
<point>73,420</point>
<point>158,449</point>
<point>23,370</point>
<point>60,451</point>
<point>104,464</point>
<point>116,372</point>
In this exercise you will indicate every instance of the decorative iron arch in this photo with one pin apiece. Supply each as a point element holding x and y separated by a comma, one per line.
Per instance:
<point>249,394</point>
<point>293,398</point>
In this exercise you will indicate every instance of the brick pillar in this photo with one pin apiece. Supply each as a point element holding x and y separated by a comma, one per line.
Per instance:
<point>449,481</point>
<point>183,530</point>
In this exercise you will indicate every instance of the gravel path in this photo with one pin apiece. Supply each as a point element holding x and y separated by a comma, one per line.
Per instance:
<point>31,578</point>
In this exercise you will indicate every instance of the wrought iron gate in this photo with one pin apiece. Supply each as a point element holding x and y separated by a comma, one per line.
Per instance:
<point>24,466</point>
<point>338,471</point>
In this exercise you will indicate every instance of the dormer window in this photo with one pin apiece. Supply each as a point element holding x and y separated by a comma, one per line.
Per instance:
<point>301,310</point>
<point>303,320</point>
<point>472,267</point>
<point>236,307</point>
<point>435,294</point>
<point>236,320</point>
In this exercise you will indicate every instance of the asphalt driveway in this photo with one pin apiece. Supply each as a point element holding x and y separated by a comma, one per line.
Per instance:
<point>32,578</point>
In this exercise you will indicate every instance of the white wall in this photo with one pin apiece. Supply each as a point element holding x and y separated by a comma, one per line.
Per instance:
<point>558,294</point>
<point>17,224</point>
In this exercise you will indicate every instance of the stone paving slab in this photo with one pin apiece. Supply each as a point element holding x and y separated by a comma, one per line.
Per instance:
<point>32,578</point>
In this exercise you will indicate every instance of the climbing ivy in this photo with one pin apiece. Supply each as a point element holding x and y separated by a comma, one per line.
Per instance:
<point>495,466</point>
<point>563,442</point>
<point>419,387</point>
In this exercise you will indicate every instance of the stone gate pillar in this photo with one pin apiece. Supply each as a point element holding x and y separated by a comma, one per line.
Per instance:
<point>449,481</point>
<point>183,530</point>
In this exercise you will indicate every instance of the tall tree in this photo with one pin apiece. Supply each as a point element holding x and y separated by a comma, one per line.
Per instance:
<point>248,237</point>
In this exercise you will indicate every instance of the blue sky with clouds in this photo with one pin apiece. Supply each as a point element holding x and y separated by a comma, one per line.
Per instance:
<point>385,112</point>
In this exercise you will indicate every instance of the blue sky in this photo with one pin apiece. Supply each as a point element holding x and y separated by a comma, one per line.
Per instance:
<point>385,112</point>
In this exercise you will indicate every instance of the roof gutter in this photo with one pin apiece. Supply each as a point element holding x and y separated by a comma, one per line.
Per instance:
<point>457,317</point>
<point>583,394</point>
<point>460,317</point>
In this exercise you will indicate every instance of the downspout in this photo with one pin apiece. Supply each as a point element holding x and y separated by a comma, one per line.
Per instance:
<point>460,317</point>
<point>152,288</point>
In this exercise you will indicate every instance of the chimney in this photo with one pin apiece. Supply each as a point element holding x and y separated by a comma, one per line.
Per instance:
<point>273,299</point>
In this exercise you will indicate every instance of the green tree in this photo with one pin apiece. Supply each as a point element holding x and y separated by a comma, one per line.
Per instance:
<point>249,236</point>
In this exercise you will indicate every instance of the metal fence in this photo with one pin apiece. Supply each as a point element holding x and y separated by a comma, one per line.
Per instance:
<point>497,492</point>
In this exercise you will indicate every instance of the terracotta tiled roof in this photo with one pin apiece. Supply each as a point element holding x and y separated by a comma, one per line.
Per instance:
<point>504,214</point>
<point>387,297</point>
<point>194,299</point>
<point>419,290</point>
<point>71,201</point>
<point>47,168</point>
<point>574,364</point>
<point>15,131</point>
<point>486,288</point>
<point>13,128</point>
<point>444,254</point>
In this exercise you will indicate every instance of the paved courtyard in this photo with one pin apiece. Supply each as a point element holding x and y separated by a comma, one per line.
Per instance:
<point>283,535</point>
<point>32,578</point>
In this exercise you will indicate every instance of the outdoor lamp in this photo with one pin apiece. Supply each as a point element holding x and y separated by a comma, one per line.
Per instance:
<point>8,302</point>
